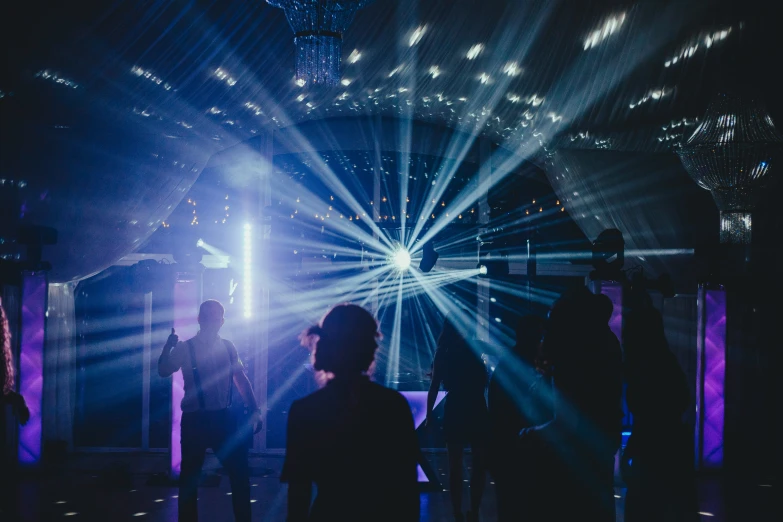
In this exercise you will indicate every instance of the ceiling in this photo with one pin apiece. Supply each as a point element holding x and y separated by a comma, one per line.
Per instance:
<point>159,87</point>
<point>613,74</point>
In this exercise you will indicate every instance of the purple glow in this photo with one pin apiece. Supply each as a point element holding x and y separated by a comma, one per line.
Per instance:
<point>186,302</point>
<point>34,294</point>
<point>417,400</point>
<point>711,358</point>
<point>614,291</point>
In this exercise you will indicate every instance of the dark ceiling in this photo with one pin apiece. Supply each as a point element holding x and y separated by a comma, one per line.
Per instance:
<point>109,110</point>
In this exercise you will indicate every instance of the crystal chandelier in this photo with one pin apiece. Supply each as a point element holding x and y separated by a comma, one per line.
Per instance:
<point>731,154</point>
<point>318,35</point>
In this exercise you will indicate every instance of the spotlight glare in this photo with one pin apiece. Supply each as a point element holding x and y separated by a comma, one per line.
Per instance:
<point>200,243</point>
<point>401,259</point>
<point>247,287</point>
<point>483,270</point>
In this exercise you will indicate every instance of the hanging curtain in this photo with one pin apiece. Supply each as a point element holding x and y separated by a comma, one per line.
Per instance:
<point>59,365</point>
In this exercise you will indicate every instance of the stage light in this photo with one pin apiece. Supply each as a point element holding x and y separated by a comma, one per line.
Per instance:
<point>428,258</point>
<point>200,243</point>
<point>247,286</point>
<point>482,269</point>
<point>609,250</point>
<point>401,259</point>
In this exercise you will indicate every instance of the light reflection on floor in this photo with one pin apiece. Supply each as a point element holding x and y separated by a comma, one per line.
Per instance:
<point>83,493</point>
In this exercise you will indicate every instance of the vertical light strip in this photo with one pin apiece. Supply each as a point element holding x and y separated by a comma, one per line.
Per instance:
<point>187,296</point>
<point>31,358</point>
<point>711,380</point>
<point>247,276</point>
<point>146,373</point>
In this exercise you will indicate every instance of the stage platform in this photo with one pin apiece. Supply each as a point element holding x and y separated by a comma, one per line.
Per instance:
<point>128,486</point>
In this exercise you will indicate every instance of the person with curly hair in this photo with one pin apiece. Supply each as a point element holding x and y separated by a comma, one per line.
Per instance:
<point>353,439</point>
<point>18,406</point>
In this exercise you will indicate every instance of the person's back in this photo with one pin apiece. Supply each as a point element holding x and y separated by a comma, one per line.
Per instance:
<point>519,397</point>
<point>355,439</point>
<point>661,484</point>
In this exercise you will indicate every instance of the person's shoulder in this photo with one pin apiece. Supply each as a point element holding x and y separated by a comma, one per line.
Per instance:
<point>313,402</point>
<point>388,396</point>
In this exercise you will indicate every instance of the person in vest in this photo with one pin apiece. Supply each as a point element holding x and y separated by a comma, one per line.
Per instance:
<point>210,368</point>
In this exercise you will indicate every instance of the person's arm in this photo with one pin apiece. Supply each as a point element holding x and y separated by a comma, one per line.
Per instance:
<point>296,470</point>
<point>245,388</point>
<point>166,364</point>
<point>409,482</point>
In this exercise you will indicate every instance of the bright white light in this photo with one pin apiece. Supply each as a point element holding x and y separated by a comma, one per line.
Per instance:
<point>200,243</point>
<point>706,514</point>
<point>474,51</point>
<point>416,36</point>
<point>354,56</point>
<point>434,71</point>
<point>610,26</point>
<point>301,82</point>
<point>401,259</point>
<point>483,78</point>
<point>483,270</point>
<point>247,286</point>
<point>346,82</point>
<point>512,69</point>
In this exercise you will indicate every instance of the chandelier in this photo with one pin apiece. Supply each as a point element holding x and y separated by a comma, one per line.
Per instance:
<point>731,154</point>
<point>318,27</point>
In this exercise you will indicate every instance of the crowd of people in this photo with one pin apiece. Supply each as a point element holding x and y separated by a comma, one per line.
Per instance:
<point>546,425</point>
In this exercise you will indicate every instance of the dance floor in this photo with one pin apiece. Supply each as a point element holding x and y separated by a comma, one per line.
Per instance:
<point>114,487</point>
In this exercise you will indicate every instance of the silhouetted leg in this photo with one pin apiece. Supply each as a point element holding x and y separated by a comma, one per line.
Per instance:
<point>193,442</point>
<point>232,453</point>
<point>455,478</point>
<point>504,495</point>
<point>478,478</point>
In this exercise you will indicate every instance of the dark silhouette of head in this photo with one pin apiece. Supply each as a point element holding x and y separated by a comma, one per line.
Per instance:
<point>345,341</point>
<point>210,317</point>
<point>604,307</point>
<point>572,327</point>
<point>644,336</point>
<point>462,365</point>
<point>529,330</point>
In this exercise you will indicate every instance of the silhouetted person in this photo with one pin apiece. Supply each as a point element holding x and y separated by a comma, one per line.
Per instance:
<point>580,443</point>
<point>661,481</point>
<point>609,395</point>
<point>519,397</point>
<point>210,366</point>
<point>8,478</point>
<point>353,439</point>
<point>465,420</point>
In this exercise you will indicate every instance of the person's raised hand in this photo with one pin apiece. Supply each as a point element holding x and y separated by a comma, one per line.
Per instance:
<point>172,340</point>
